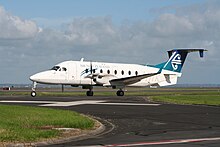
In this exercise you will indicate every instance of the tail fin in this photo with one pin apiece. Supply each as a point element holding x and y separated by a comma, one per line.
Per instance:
<point>177,58</point>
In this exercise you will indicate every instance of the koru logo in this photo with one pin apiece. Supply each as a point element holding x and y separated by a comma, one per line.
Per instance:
<point>176,61</point>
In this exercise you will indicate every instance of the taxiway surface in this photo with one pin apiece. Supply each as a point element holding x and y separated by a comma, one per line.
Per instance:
<point>134,121</point>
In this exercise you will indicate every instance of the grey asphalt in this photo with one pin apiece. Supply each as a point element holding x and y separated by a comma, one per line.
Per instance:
<point>126,124</point>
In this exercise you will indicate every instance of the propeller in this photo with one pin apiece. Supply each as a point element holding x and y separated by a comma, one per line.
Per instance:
<point>92,74</point>
<point>91,71</point>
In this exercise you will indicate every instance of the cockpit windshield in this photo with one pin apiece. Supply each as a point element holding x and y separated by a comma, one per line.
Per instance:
<point>64,69</point>
<point>56,68</point>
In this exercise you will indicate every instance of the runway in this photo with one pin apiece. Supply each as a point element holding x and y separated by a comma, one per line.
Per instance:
<point>134,121</point>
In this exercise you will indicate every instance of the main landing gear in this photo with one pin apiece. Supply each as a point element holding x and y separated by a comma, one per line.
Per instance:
<point>33,92</point>
<point>120,92</point>
<point>89,92</point>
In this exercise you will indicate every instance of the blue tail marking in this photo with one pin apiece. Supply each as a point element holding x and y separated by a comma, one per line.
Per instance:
<point>177,58</point>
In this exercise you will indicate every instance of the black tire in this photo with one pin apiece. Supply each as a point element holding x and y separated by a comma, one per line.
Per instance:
<point>33,93</point>
<point>89,93</point>
<point>120,93</point>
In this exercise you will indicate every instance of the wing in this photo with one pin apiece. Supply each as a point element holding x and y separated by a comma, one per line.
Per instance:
<point>131,80</point>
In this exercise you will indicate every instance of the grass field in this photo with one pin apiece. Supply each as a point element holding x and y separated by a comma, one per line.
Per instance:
<point>189,99</point>
<point>25,124</point>
<point>200,96</point>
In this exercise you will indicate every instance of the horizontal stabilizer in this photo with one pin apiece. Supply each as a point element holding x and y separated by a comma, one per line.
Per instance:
<point>188,50</point>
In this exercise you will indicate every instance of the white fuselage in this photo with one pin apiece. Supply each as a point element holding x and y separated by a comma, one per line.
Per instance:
<point>79,73</point>
<point>115,75</point>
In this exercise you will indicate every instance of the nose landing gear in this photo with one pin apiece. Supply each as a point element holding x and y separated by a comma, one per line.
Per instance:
<point>33,92</point>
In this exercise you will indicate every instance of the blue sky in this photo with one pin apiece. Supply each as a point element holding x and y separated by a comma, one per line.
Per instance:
<point>38,34</point>
<point>119,10</point>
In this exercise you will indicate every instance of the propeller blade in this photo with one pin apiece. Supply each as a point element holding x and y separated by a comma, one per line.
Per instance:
<point>91,70</point>
<point>91,67</point>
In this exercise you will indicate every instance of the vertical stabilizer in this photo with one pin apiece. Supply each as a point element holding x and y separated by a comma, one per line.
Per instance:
<point>177,58</point>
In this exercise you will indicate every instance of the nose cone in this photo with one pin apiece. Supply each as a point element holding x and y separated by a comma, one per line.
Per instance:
<point>47,77</point>
<point>35,77</point>
<point>42,77</point>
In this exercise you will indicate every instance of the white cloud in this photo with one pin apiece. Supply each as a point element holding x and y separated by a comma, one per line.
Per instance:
<point>90,31</point>
<point>170,24</point>
<point>13,27</point>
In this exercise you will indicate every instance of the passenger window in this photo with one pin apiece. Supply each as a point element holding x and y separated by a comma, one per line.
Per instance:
<point>115,72</point>
<point>129,72</point>
<point>108,71</point>
<point>101,71</point>
<point>122,72</point>
<point>136,73</point>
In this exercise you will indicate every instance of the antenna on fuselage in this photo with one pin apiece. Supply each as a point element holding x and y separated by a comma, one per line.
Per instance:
<point>82,59</point>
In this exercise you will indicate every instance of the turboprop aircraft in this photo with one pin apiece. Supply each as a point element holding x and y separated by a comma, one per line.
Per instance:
<point>115,75</point>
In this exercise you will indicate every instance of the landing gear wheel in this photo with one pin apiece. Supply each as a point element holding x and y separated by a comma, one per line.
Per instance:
<point>120,93</point>
<point>33,93</point>
<point>89,93</point>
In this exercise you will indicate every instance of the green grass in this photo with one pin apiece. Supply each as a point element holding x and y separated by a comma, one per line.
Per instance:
<point>189,99</point>
<point>199,96</point>
<point>24,124</point>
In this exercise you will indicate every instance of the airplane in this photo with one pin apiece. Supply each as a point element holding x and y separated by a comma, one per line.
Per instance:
<point>115,75</point>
